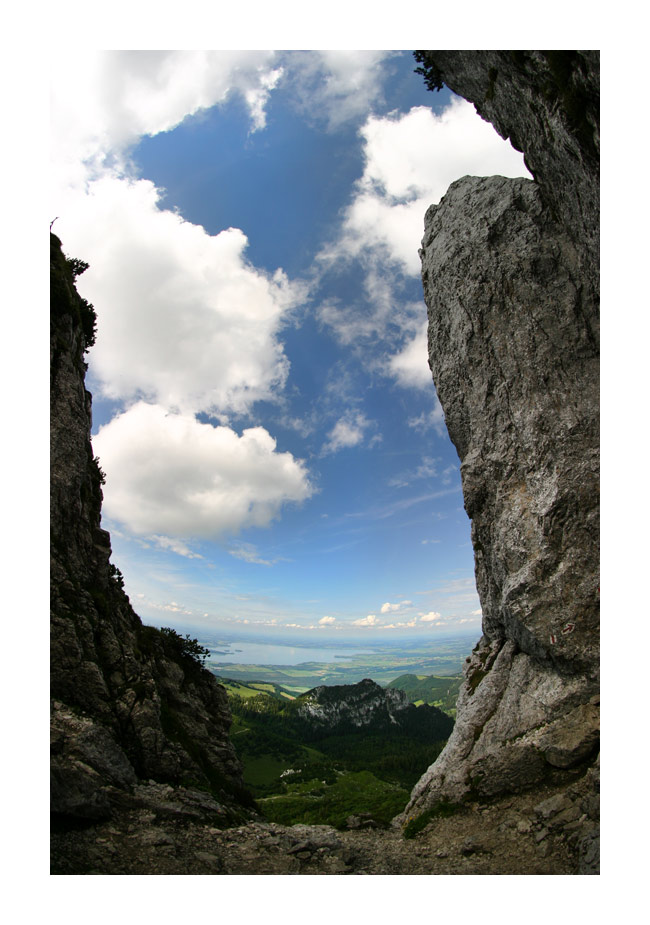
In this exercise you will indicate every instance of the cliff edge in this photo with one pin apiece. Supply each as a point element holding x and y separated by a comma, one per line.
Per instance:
<point>510,276</point>
<point>129,707</point>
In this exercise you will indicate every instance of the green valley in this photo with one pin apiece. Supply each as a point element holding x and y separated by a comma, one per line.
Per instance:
<point>338,755</point>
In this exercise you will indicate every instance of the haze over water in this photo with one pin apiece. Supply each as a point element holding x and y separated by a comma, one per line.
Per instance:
<point>256,653</point>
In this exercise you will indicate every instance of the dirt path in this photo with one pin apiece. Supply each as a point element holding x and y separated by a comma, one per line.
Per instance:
<point>543,832</point>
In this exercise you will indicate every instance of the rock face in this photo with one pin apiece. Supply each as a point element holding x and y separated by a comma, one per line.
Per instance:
<point>127,704</point>
<point>509,269</point>
<point>547,104</point>
<point>367,706</point>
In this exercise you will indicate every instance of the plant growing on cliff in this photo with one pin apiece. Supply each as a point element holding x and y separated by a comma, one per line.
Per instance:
<point>64,298</point>
<point>116,575</point>
<point>432,76</point>
<point>77,267</point>
<point>185,647</point>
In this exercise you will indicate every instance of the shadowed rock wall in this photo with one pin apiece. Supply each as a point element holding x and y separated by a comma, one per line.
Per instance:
<point>126,706</point>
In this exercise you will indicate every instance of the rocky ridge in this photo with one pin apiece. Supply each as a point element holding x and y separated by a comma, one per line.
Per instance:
<point>366,705</point>
<point>128,705</point>
<point>509,269</point>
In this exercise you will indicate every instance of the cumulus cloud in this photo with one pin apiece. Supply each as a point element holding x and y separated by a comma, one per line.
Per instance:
<point>186,323</point>
<point>393,608</point>
<point>411,160</point>
<point>370,620</point>
<point>335,86</point>
<point>430,617</point>
<point>327,621</point>
<point>410,367</point>
<point>347,432</point>
<point>184,319</point>
<point>102,102</point>
<point>170,475</point>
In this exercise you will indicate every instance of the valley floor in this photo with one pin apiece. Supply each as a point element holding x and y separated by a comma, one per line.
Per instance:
<point>545,831</point>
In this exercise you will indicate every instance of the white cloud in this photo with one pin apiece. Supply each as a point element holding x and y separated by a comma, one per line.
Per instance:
<point>327,621</point>
<point>393,608</point>
<point>448,473</point>
<point>335,86</point>
<point>172,607</point>
<point>347,432</point>
<point>185,322</point>
<point>410,162</point>
<point>430,420</point>
<point>168,474</point>
<point>248,552</point>
<point>430,617</point>
<point>103,101</point>
<point>175,545</point>
<point>410,367</point>
<point>370,620</point>
<point>426,470</point>
<point>184,319</point>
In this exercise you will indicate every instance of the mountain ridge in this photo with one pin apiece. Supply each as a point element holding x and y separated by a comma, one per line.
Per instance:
<point>367,704</point>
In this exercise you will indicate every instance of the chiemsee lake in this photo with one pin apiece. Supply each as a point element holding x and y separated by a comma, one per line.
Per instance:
<point>262,653</point>
<point>344,662</point>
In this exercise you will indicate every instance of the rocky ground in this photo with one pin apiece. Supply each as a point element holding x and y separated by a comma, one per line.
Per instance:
<point>550,830</point>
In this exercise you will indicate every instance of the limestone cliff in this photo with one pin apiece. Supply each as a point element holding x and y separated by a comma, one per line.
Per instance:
<point>127,705</point>
<point>510,275</point>
<point>367,707</point>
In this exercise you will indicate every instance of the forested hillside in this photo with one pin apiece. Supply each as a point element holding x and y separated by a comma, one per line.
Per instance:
<point>438,692</point>
<point>342,755</point>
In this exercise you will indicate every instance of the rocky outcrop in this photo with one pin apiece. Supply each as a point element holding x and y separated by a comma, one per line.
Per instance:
<point>369,708</point>
<point>128,704</point>
<point>509,269</point>
<point>531,833</point>
<point>547,104</point>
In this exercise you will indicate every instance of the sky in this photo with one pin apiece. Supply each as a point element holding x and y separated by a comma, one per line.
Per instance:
<point>276,459</point>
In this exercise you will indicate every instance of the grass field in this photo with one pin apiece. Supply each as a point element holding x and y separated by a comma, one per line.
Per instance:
<point>319,802</point>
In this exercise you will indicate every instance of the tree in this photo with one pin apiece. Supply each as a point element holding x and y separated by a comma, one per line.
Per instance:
<point>432,76</point>
<point>185,647</point>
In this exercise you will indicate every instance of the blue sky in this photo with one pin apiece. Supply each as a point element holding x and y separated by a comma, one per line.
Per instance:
<point>276,458</point>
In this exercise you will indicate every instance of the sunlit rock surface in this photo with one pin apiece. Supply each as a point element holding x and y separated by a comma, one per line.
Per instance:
<point>509,269</point>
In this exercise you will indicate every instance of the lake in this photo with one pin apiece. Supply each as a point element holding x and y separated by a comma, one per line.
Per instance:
<point>260,653</point>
